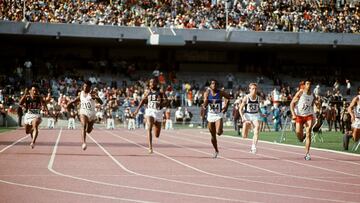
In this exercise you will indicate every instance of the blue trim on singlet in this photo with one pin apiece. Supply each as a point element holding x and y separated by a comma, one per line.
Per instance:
<point>215,99</point>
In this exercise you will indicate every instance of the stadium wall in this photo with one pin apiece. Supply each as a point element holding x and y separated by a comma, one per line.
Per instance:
<point>188,35</point>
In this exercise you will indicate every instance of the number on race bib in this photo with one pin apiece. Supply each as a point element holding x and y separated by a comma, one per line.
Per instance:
<point>253,107</point>
<point>152,105</point>
<point>306,108</point>
<point>86,105</point>
<point>214,108</point>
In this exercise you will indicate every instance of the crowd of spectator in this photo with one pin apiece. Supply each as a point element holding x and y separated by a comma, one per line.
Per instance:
<point>340,16</point>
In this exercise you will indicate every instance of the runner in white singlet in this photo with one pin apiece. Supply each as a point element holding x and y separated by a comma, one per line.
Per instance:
<point>87,110</point>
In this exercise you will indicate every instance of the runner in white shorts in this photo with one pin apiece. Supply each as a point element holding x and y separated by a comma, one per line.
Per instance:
<point>33,103</point>
<point>354,110</point>
<point>302,110</point>
<point>251,115</point>
<point>87,110</point>
<point>215,110</point>
<point>155,100</point>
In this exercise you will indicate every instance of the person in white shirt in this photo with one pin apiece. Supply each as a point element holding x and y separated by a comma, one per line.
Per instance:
<point>251,115</point>
<point>302,111</point>
<point>179,115</point>
<point>87,113</point>
<point>348,87</point>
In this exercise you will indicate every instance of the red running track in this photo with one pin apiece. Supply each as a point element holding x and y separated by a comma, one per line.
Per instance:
<point>116,167</point>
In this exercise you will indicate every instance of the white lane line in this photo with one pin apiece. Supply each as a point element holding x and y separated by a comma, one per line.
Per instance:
<point>50,167</point>
<point>58,190</point>
<point>71,192</point>
<point>274,172</point>
<point>260,168</point>
<point>14,143</point>
<point>227,177</point>
<point>301,147</point>
<point>154,190</point>
<point>289,152</point>
<point>169,175</point>
<point>51,163</point>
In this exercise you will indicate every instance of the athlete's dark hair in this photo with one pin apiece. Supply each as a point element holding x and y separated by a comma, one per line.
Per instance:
<point>155,80</point>
<point>34,85</point>
<point>88,83</point>
<point>213,79</point>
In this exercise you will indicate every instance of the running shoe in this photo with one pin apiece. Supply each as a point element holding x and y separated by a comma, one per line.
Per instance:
<point>215,155</point>
<point>253,150</point>
<point>83,146</point>
<point>307,157</point>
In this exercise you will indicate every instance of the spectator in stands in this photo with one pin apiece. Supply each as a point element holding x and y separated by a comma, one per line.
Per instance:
<point>168,122</point>
<point>20,114</point>
<point>3,113</point>
<point>187,116</point>
<point>348,87</point>
<point>230,80</point>
<point>264,117</point>
<point>140,117</point>
<point>317,90</point>
<point>203,115</point>
<point>276,117</point>
<point>290,16</point>
<point>179,115</point>
<point>236,115</point>
<point>71,121</point>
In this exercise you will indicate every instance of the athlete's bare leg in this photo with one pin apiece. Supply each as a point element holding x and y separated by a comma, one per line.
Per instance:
<point>299,131</point>
<point>256,124</point>
<point>245,129</point>
<point>308,126</point>
<point>157,128</point>
<point>35,131</point>
<point>356,134</point>
<point>90,126</point>
<point>212,130</point>
<point>150,122</point>
<point>85,122</point>
<point>219,127</point>
<point>28,130</point>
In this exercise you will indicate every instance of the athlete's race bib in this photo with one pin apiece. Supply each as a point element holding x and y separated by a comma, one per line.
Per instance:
<point>214,108</point>
<point>252,108</point>
<point>153,105</point>
<point>86,105</point>
<point>34,111</point>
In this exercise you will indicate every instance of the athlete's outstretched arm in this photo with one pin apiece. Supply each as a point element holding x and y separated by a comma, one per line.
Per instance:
<point>227,99</point>
<point>206,101</point>
<point>76,100</point>
<point>23,98</point>
<point>241,107</point>
<point>142,102</point>
<point>293,103</point>
<point>96,97</point>
<point>351,108</point>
